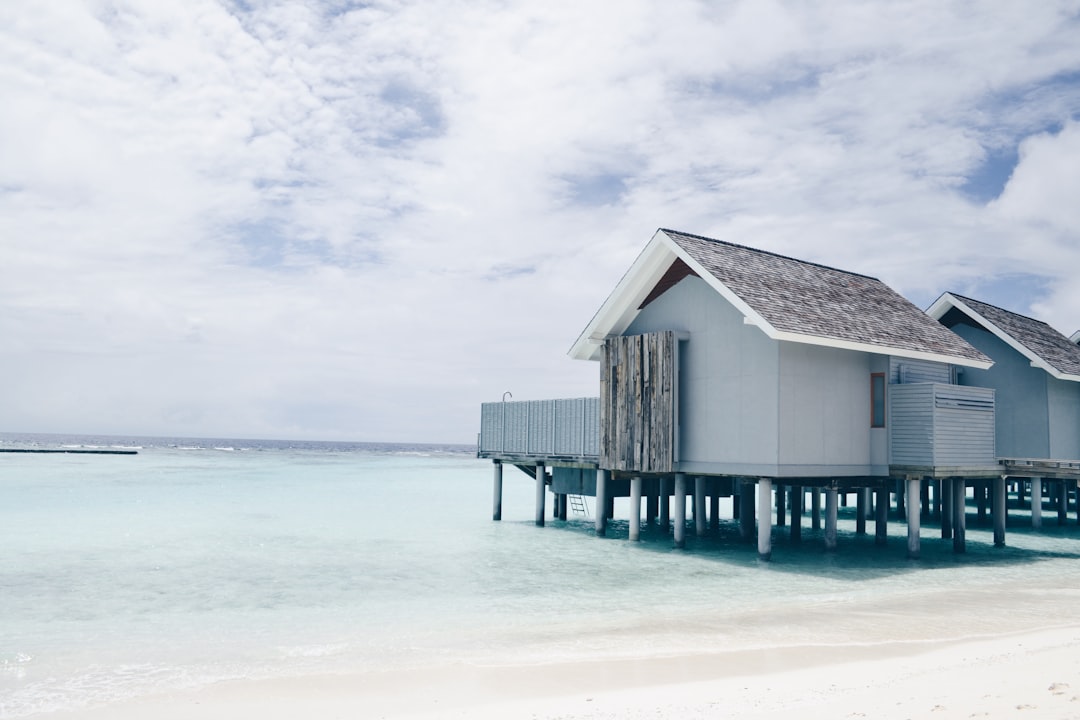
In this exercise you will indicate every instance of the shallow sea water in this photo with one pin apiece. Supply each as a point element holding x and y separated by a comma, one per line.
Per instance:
<point>185,565</point>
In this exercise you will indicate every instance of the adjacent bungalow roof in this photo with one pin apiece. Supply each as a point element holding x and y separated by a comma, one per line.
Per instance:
<point>1041,344</point>
<point>787,299</point>
<point>1076,337</point>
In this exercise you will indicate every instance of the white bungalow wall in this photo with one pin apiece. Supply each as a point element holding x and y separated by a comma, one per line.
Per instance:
<point>1063,407</point>
<point>824,411</point>
<point>1021,398</point>
<point>728,399</point>
<point>755,406</point>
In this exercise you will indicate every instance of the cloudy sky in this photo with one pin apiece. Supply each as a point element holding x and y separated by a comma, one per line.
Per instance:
<point>344,220</point>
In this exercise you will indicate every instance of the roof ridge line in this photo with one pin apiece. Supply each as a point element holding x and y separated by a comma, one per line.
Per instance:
<point>773,254</point>
<point>1006,310</point>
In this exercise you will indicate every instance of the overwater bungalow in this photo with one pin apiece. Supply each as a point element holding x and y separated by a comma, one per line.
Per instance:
<point>1036,381</point>
<point>727,371</point>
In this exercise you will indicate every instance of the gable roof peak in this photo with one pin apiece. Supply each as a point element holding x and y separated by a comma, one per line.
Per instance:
<point>1036,340</point>
<point>789,300</point>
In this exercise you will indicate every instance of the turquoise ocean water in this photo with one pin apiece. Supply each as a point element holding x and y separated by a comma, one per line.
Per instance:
<point>194,562</point>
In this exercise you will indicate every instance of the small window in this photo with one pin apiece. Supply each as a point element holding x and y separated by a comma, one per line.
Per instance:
<point>877,400</point>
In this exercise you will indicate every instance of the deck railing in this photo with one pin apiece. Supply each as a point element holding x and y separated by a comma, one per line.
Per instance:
<point>541,428</point>
<point>932,424</point>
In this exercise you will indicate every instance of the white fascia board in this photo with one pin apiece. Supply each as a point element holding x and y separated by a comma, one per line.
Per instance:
<point>621,306</point>
<point>880,349</point>
<point>1075,337</point>
<point>750,316</point>
<point>948,300</point>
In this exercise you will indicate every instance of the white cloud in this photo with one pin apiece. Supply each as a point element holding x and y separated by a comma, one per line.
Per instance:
<point>327,220</point>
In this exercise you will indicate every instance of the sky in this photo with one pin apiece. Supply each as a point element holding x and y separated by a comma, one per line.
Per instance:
<point>358,221</point>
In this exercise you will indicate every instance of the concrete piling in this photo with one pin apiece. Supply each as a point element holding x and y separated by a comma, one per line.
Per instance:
<point>496,499</point>
<point>765,520</point>
<point>601,501</point>
<point>680,510</point>
<point>541,493</point>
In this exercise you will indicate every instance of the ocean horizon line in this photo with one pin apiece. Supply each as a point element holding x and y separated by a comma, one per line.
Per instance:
<point>39,439</point>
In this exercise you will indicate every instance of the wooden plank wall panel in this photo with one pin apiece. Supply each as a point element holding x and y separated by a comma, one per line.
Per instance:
<point>637,403</point>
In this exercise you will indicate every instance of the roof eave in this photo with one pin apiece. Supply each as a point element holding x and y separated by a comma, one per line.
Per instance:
<point>882,349</point>
<point>621,306</point>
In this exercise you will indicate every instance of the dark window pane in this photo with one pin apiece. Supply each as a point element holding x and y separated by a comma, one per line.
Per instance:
<point>877,400</point>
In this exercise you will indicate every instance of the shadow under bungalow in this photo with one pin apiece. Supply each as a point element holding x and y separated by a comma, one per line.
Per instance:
<point>727,371</point>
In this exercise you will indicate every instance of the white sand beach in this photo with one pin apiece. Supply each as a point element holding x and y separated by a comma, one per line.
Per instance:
<point>1035,674</point>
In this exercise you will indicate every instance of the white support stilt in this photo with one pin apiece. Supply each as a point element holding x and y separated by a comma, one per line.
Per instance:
<point>914,515</point>
<point>680,510</point>
<point>635,507</point>
<point>830,518</point>
<point>601,501</point>
<point>496,499</point>
<point>1036,503</point>
<point>541,493</point>
<point>700,525</point>
<point>764,533</point>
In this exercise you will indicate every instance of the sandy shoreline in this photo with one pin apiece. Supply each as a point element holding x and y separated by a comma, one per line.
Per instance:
<point>1035,673</point>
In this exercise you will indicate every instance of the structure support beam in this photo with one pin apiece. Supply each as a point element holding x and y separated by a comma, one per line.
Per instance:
<point>831,510</point>
<point>946,508</point>
<point>714,512</point>
<point>881,517</point>
<point>665,504</point>
<point>914,517</point>
<point>781,506</point>
<point>541,493</point>
<point>860,511</point>
<point>815,508</point>
<point>746,512</point>
<point>960,515</point>
<point>796,513</point>
<point>999,511</point>
<point>699,506</point>
<point>680,510</point>
<point>1062,503</point>
<point>602,477</point>
<point>635,508</point>
<point>1036,503</point>
<point>496,495</point>
<point>764,533</point>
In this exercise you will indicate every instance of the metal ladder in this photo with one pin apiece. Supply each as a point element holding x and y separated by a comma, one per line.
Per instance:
<point>578,505</point>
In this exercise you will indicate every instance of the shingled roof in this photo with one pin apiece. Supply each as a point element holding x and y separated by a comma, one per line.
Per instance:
<point>1044,346</point>
<point>788,299</point>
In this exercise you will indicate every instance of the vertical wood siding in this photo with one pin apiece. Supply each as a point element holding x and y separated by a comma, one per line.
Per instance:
<point>637,403</point>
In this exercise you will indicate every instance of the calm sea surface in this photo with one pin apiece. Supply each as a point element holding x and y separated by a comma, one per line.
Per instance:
<point>199,561</point>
